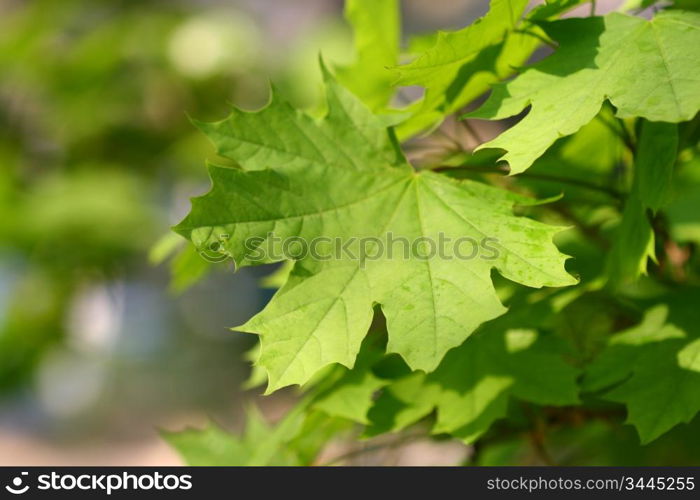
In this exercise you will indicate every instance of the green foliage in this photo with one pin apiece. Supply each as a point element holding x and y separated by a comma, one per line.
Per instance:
<point>321,189</point>
<point>459,66</point>
<point>634,241</point>
<point>377,30</point>
<point>459,348</point>
<point>654,368</point>
<point>259,445</point>
<point>472,386</point>
<point>644,68</point>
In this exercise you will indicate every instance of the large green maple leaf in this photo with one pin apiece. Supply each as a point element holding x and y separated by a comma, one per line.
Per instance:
<point>644,68</point>
<point>344,179</point>
<point>654,369</point>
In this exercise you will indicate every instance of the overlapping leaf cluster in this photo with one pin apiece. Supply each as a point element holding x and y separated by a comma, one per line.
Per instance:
<point>342,178</point>
<point>610,137</point>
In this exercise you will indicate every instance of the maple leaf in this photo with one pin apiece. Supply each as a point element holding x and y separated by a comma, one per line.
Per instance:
<point>472,386</point>
<point>351,397</point>
<point>634,240</point>
<point>683,213</point>
<point>259,444</point>
<point>663,391</point>
<point>644,68</point>
<point>376,25</point>
<point>352,394</point>
<point>654,369</point>
<point>438,65</point>
<point>297,439</point>
<point>462,64</point>
<point>343,178</point>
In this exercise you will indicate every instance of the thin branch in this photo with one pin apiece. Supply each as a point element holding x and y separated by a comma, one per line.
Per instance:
<point>629,139</point>
<point>576,182</point>
<point>556,418</point>
<point>486,169</point>
<point>537,439</point>
<point>690,129</point>
<point>542,39</point>
<point>620,130</point>
<point>472,131</point>
<point>498,169</point>
<point>537,435</point>
<point>585,229</point>
<point>455,142</point>
<point>403,439</point>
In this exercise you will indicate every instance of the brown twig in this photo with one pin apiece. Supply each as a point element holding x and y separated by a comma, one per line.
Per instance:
<point>472,131</point>
<point>402,439</point>
<point>537,435</point>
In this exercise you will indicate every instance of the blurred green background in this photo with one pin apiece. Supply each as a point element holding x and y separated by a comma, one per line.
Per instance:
<point>103,337</point>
